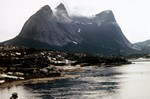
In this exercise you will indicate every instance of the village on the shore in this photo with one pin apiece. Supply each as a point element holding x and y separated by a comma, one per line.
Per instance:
<point>20,63</point>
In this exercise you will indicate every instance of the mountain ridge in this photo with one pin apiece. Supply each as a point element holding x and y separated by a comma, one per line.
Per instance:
<point>144,45</point>
<point>100,34</point>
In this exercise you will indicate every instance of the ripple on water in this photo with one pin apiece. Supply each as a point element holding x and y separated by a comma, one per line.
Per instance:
<point>123,82</point>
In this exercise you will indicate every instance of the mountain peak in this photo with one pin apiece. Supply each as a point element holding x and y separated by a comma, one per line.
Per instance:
<point>108,11</point>
<point>62,13</point>
<point>46,8</point>
<point>61,7</point>
<point>106,15</point>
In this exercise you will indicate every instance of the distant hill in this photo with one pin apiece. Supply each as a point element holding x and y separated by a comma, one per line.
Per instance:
<point>145,45</point>
<point>57,30</point>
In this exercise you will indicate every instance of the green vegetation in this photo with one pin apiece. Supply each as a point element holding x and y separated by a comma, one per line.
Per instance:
<point>135,56</point>
<point>97,60</point>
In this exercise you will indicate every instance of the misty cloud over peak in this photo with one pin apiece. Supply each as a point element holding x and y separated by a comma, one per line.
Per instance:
<point>61,13</point>
<point>105,16</point>
<point>61,7</point>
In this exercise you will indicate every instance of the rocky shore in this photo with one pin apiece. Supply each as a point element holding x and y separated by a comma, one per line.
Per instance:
<point>34,81</point>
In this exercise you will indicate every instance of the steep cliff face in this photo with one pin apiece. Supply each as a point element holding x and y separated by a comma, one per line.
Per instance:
<point>102,34</point>
<point>54,28</point>
<point>99,34</point>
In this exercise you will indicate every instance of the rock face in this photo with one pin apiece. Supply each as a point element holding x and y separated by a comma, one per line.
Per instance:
<point>53,28</point>
<point>102,34</point>
<point>56,30</point>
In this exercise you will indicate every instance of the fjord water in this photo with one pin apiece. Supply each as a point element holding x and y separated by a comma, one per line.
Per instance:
<point>122,82</point>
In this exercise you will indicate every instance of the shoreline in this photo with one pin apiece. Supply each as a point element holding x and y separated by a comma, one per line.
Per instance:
<point>45,79</point>
<point>34,81</point>
<point>65,69</point>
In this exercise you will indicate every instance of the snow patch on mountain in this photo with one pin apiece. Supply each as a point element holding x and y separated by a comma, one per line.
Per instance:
<point>79,30</point>
<point>74,42</point>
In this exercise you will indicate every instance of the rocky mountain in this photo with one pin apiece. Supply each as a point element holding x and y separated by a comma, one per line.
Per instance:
<point>145,45</point>
<point>53,28</point>
<point>56,30</point>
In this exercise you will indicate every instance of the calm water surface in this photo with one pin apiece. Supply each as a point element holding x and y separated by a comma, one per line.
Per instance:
<point>124,82</point>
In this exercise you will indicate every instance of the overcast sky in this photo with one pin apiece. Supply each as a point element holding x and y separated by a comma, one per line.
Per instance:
<point>133,16</point>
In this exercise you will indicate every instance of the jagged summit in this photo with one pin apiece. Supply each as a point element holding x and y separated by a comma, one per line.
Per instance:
<point>105,12</point>
<point>61,7</point>
<point>62,14</point>
<point>106,15</point>
<point>61,10</point>
<point>45,8</point>
<point>53,28</point>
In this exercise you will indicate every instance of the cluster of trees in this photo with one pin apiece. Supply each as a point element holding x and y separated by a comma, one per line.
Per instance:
<point>98,60</point>
<point>138,56</point>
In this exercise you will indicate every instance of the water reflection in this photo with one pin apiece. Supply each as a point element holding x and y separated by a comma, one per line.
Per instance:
<point>124,82</point>
<point>94,82</point>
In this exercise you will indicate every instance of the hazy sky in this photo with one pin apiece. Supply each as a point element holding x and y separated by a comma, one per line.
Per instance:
<point>133,16</point>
